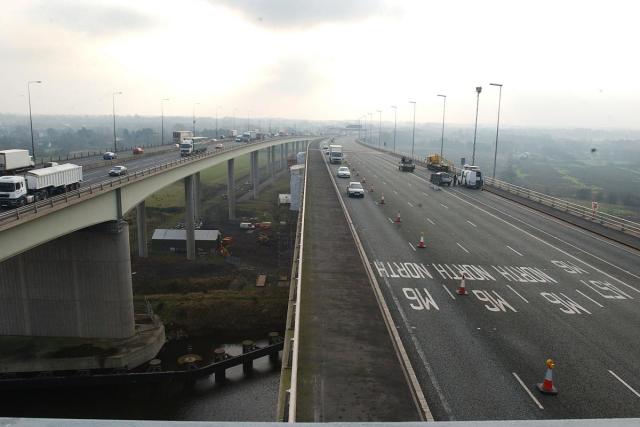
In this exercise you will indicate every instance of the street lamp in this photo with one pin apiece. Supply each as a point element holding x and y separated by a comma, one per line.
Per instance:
<point>194,117</point>
<point>413,135</point>
<point>113,105</point>
<point>365,124</point>
<point>33,146</point>
<point>162,120</point>
<point>370,125</point>
<point>444,108</point>
<point>475,130</point>
<point>379,126</point>
<point>395,122</point>
<point>495,152</point>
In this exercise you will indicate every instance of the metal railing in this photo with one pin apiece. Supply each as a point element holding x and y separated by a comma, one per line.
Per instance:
<point>586,213</point>
<point>69,198</point>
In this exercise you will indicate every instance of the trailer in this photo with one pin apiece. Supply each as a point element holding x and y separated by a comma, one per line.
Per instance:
<point>15,161</point>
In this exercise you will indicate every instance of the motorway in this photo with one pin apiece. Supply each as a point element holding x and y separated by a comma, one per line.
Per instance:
<point>538,289</point>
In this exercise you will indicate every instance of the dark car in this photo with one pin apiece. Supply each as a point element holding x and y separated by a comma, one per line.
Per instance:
<point>118,171</point>
<point>109,155</point>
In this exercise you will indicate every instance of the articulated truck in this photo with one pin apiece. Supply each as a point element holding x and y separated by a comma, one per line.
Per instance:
<point>15,161</point>
<point>38,184</point>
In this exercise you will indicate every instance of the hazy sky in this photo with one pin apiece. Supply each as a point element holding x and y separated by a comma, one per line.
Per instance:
<point>562,63</point>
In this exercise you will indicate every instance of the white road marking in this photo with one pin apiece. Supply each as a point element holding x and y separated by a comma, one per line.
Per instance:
<point>425,195</point>
<point>472,224</point>
<point>462,247</point>
<point>589,298</point>
<point>390,220</point>
<point>537,402</point>
<point>409,203</point>
<point>412,247</point>
<point>429,219</point>
<point>544,241</point>
<point>514,250</point>
<point>623,382</point>
<point>516,292</point>
<point>395,191</point>
<point>444,206</point>
<point>449,292</point>
<point>384,183</point>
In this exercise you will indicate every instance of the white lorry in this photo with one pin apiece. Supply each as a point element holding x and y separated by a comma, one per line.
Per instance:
<point>15,161</point>
<point>192,146</point>
<point>335,154</point>
<point>38,184</point>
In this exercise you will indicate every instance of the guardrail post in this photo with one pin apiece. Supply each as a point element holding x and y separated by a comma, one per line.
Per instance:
<point>247,366</point>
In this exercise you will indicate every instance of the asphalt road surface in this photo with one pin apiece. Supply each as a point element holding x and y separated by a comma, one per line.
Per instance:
<point>538,289</point>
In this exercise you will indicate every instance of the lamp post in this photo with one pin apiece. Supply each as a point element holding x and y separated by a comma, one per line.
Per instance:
<point>413,135</point>
<point>162,120</point>
<point>248,120</point>
<point>370,125</point>
<point>475,130</point>
<point>113,105</point>
<point>444,108</point>
<point>361,128</point>
<point>379,126</point>
<point>33,146</point>
<point>395,123</point>
<point>495,152</point>
<point>194,118</point>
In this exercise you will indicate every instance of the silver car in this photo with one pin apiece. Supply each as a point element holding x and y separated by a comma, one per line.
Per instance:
<point>355,189</point>
<point>343,172</point>
<point>118,171</point>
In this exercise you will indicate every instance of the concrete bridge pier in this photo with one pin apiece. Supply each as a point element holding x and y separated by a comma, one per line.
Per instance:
<point>189,226</point>
<point>78,285</point>
<point>255,175</point>
<point>272,162</point>
<point>197,196</point>
<point>282,162</point>
<point>286,154</point>
<point>141,223</point>
<point>231,189</point>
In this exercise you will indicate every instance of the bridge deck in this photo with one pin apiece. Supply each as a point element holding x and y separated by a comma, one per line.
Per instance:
<point>348,369</point>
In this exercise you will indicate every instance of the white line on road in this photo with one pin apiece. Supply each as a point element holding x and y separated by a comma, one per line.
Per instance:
<point>462,247</point>
<point>514,250</point>
<point>412,247</point>
<point>529,391</point>
<point>409,203</point>
<point>516,292</point>
<point>429,219</point>
<point>444,206</point>
<point>425,195</point>
<point>472,223</point>
<point>449,292</point>
<point>390,220</point>
<point>384,183</point>
<point>589,298</point>
<point>623,382</point>
<point>395,191</point>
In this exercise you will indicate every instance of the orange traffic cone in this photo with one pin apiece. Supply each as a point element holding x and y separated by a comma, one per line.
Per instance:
<point>421,244</point>
<point>462,289</point>
<point>382,199</point>
<point>546,386</point>
<point>398,220</point>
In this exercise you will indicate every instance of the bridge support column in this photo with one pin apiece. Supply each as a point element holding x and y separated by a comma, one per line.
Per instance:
<point>282,161</point>
<point>189,225</point>
<point>272,162</point>
<point>255,176</point>
<point>286,155</point>
<point>78,285</point>
<point>197,197</point>
<point>231,189</point>
<point>141,223</point>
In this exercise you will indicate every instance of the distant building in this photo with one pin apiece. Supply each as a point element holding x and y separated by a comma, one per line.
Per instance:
<point>176,240</point>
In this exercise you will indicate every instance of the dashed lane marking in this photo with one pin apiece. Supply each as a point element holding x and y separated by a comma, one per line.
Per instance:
<point>395,192</point>
<point>449,292</point>
<point>444,206</point>
<point>462,247</point>
<point>429,219</point>
<point>425,195</point>
<point>412,247</point>
<point>589,298</point>
<point>623,382</point>
<point>409,203</point>
<point>514,250</point>
<point>516,292</point>
<point>472,224</point>
<point>537,402</point>
<point>390,220</point>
